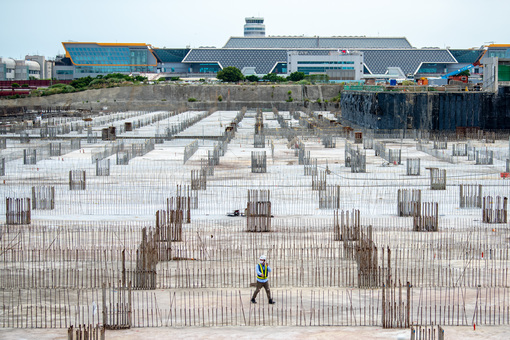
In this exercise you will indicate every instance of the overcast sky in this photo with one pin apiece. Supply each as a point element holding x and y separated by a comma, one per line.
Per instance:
<point>39,27</point>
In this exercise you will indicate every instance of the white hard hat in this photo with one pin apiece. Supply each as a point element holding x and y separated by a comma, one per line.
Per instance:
<point>262,257</point>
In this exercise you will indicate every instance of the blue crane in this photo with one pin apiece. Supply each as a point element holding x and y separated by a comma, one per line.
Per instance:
<point>468,67</point>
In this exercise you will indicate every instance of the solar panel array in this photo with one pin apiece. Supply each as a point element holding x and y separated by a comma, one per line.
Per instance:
<point>316,42</point>
<point>264,60</point>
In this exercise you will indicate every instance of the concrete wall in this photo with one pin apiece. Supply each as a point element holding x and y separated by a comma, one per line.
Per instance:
<point>428,110</point>
<point>170,97</point>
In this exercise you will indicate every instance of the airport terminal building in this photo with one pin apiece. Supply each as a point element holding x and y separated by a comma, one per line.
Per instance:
<point>343,58</point>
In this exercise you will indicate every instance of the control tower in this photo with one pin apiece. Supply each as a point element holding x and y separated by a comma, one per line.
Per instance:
<point>254,27</point>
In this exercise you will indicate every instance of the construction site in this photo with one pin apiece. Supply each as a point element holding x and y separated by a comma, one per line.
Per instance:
<point>148,223</point>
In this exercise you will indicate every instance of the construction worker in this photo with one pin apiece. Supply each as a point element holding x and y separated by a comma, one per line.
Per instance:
<point>262,270</point>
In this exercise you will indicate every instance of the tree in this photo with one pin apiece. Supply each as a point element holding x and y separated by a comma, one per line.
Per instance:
<point>464,73</point>
<point>140,78</point>
<point>230,74</point>
<point>273,77</point>
<point>296,76</point>
<point>253,78</point>
<point>82,83</point>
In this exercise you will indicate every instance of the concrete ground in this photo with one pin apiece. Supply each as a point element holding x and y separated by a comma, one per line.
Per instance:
<point>333,332</point>
<point>132,194</point>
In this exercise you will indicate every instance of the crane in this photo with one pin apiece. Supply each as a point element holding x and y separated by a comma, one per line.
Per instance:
<point>468,67</point>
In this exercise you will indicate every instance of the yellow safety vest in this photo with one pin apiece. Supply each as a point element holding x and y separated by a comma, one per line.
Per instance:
<point>263,270</point>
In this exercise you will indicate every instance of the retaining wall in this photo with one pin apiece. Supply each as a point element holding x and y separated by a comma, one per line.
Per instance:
<point>428,110</point>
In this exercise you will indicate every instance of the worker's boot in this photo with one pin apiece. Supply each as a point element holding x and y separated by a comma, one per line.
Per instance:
<point>253,301</point>
<point>271,302</point>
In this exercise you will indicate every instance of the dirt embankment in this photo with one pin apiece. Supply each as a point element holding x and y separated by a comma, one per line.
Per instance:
<point>189,97</point>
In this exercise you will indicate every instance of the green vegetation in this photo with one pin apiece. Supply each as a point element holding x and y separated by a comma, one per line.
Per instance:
<point>15,85</point>
<point>464,73</point>
<point>104,83</point>
<point>191,99</point>
<point>88,83</point>
<point>303,82</point>
<point>253,78</point>
<point>296,76</point>
<point>273,77</point>
<point>337,98</point>
<point>81,84</point>
<point>175,78</point>
<point>230,74</point>
<point>317,78</point>
<point>55,89</point>
<point>220,98</point>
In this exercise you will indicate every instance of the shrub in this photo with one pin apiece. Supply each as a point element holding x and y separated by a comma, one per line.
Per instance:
<point>35,93</point>
<point>230,74</point>
<point>82,83</point>
<point>191,99</point>
<point>303,82</point>
<point>220,98</point>
<point>67,89</point>
<point>252,78</point>
<point>337,98</point>
<point>57,86</point>
<point>296,76</point>
<point>273,77</point>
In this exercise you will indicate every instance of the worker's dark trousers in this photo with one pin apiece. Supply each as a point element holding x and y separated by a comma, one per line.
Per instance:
<point>259,286</point>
